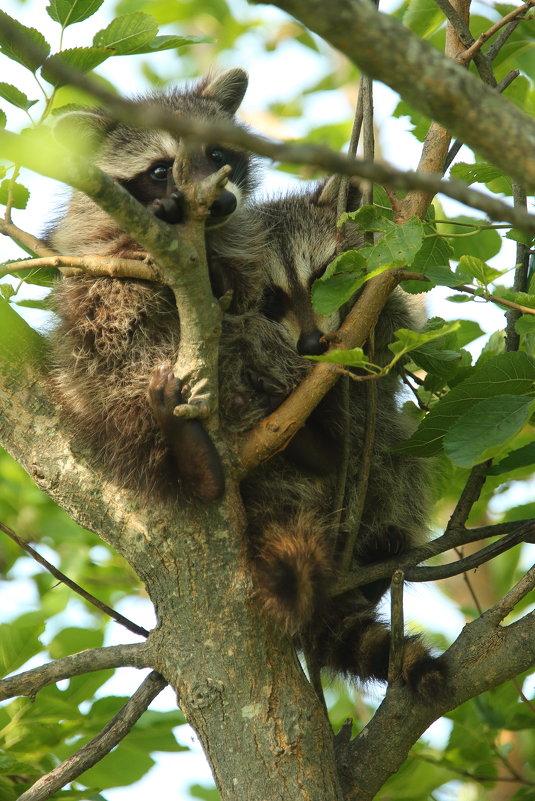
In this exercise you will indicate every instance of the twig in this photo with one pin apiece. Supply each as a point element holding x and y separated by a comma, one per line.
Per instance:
<point>483,37</point>
<point>463,32</point>
<point>27,242</point>
<point>112,734</point>
<point>469,495</point>
<point>451,539</point>
<point>133,627</point>
<point>90,265</point>
<point>469,562</point>
<point>509,601</point>
<point>520,283</point>
<point>114,656</point>
<point>397,627</point>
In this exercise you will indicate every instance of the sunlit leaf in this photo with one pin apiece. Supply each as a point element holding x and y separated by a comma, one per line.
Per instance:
<point>68,12</point>
<point>128,34</point>
<point>15,96</point>
<point>18,52</point>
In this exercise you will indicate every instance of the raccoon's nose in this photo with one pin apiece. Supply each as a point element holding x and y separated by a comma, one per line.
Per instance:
<point>224,205</point>
<point>309,344</point>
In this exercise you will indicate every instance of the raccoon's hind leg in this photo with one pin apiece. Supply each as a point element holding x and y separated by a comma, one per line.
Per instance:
<point>292,566</point>
<point>350,640</point>
<point>196,457</point>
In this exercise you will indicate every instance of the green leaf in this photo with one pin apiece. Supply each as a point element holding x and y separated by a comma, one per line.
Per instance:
<point>17,52</point>
<point>482,431</point>
<point>19,194</point>
<point>519,236</point>
<point>478,269</point>
<point>407,340</point>
<point>508,373</point>
<point>170,42</point>
<point>68,12</point>
<point>128,34</point>
<point>525,324</point>
<point>423,17</point>
<point>482,173</point>
<point>522,298</point>
<point>354,357</point>
<point>71,640</point>
<point>3,121</point>
<point>19,641</point>
<point>15,96</point>
<point>522,457</point>
<point>342,278</point>
<point>484,243</point>
<point>398,246</point>
<point>83,59</point>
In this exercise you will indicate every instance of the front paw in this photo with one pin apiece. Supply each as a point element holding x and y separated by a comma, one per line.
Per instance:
<point>165,392</point>
<point>266,388</point>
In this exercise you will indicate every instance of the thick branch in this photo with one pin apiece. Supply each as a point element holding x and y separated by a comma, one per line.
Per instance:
<point>483,656</point>
<point>115,656</point>
<point>112,734</point>
<point>88,265</point>
<point>387,51</point>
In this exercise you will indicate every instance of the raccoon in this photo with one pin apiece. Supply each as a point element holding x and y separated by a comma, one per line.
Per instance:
<point>112,333</point>
<point>289,499</point>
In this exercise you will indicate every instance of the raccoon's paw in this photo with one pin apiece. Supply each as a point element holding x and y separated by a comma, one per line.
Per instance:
<point>196,457</point>
<point>171,208</point>
<point>426,675</point>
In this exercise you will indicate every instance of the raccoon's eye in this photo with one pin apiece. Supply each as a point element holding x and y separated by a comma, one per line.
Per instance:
<point>274,303</point>
<point>159,172</point>
<point>218,156</point>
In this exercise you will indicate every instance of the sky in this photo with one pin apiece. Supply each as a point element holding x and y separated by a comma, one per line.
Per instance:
<point>273,76</point>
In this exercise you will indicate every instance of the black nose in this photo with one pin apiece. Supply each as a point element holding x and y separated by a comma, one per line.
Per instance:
<point>224,205</point>
<point>309,344</point>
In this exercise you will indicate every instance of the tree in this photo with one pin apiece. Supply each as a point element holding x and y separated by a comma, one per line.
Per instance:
<point>240,685</point>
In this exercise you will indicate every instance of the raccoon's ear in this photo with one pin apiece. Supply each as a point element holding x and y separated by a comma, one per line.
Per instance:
<point>82,130</point>
<point>328,193</point>
<point>228,88</point>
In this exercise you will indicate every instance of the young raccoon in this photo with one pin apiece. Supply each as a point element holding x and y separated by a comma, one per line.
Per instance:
<point>289,499</point>
<point>112,333</point>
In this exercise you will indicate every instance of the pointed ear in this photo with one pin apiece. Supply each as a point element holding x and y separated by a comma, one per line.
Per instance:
<point>228,88</point>
<point>328,193</point>
<point>82,129</point>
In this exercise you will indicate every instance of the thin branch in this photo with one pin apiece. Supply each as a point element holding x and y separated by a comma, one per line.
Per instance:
<point>509,601</point>
<point>470,562</point>
<point>90,265</point>
<point>463,32</point>
<point>397,627</point>
<point>469,495</point>
<point>123,621</point>
<point>112,734</point>
<point>520,283</point>
<point>26,241</point>
<point>29,682</point>
<point>451,539</point>
<point>483,37</point>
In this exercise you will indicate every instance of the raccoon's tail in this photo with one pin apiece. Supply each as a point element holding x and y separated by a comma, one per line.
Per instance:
<point>353,642</point>
<point>292,564</point>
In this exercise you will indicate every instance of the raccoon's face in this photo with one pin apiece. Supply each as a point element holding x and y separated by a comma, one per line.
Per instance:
<point>142,160</point>
<point>303,244</point>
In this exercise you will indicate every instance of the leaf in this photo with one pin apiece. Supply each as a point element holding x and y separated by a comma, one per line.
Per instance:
<point>68,12</point>
<point>484,243</point>
<point>3,121</point>
<point>525,324</point>
<point>17,52</point>
<point>522,298</point>
<point>354,357</point>
<point>397,247</point>
<point>170,42</point>
<point>128,34</point>
<point>522,457</point>
<point>83,59</point>
<point>478,269</point>
<point>342,278</point>
<point>507,373</point>
<point>70,640</point>
<point>19,194</point>
<point>15,96</point>
<point>483,430</point>
<point>19,641</point>
<point>407,340</point>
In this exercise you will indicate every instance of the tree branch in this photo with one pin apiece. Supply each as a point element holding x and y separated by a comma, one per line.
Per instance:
<point>88,265</point>
<point>470,52</point>
<point>128,624</point>
<point>29,682</point>
<point>112,734</point>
